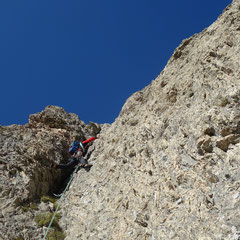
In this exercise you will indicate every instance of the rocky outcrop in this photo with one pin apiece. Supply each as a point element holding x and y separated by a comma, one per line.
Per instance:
<point>168,167</point>
<point>26,153</point>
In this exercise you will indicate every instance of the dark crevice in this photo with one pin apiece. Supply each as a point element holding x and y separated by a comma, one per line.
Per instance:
<point>66,175</point>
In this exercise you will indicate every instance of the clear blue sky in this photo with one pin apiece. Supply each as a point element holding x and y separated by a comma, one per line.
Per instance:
<point>89,56</point>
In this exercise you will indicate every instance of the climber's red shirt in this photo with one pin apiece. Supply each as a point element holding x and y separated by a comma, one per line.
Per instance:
<point>84,143</point>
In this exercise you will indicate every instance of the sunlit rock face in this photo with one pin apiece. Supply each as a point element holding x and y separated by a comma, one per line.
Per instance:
<point>168,167</point>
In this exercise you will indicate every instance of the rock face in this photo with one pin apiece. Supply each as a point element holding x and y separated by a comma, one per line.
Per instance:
<point>26,153</point>
<point>168,167</point>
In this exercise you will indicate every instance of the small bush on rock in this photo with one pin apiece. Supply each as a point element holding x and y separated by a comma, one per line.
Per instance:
<point>43,219</point>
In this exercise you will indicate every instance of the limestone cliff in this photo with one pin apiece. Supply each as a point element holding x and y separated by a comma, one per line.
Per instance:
<point>168,167</point>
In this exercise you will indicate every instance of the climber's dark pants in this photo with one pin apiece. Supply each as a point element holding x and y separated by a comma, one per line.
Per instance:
<point>72,162</point>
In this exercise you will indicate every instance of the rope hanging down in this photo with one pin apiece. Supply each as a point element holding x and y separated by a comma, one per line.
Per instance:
<point>59,201</point>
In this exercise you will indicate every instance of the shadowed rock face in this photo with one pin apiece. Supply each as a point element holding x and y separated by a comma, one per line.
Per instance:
<point>168,167</point>
<point>26,153</point>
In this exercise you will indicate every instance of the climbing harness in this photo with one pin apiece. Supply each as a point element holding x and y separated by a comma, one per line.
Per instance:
<point>59,201</point>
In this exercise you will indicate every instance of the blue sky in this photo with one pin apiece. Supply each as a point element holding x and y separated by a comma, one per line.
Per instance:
<point>89,56</point>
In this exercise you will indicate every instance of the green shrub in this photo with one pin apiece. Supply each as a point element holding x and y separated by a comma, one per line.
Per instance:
<point>43,219</point>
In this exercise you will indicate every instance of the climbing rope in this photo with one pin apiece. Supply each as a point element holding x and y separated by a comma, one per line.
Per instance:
<point>59,201</point>
<point>82,147</point>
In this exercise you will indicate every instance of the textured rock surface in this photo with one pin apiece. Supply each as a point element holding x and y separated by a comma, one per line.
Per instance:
<point>26,153</point>
<point>168,167</point>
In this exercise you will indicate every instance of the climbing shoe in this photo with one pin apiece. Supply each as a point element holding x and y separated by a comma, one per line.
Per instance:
<point>85,165</point>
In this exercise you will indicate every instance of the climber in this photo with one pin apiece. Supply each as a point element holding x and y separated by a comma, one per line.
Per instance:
<point>85,144</point>
<point>77,150</point>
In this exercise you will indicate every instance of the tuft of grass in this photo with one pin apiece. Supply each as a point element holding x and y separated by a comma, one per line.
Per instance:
<point>43,219</point>
<point>25,208</point>
<point>48,199</point>
<point>55,206</point>
<point>29,207</point>
<point>34,206</point>
<point>56,235</point>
